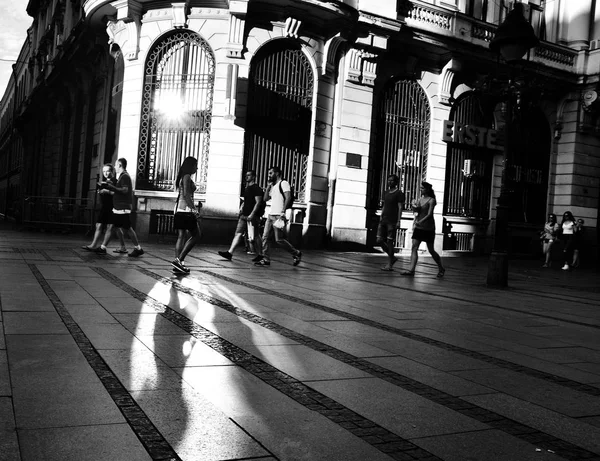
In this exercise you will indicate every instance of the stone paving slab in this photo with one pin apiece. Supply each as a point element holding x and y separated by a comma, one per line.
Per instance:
<point>83,443</point>
<point>266,412</point>
<point>9,444</point>
<point>548,395</point>
<point>310,362</point>
<point>488,445</point>
<point>569,429</point>
<point>413,416</point>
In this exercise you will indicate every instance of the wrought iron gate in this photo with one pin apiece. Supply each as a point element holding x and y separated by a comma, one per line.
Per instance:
<point>468,168</point>
<point>279,114</point>
<point>403,145</point>
<point>176,110</point>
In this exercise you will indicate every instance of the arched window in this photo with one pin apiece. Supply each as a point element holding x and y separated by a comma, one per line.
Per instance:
<point>403,139</point>
<point>469,167</point>
<point>176,110</point>
<point>279,113</point>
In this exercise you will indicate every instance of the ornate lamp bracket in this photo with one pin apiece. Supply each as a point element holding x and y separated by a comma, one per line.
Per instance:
<point>124,30</point>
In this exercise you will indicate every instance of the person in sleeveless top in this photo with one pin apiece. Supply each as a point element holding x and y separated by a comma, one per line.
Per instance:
<point>424,229</point>
<point>568,229</point>
<point>187,215</point>
<point>549,236</point>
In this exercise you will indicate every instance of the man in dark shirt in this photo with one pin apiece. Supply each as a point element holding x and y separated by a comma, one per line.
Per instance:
<point>250,214</point>
<point>393,203</point>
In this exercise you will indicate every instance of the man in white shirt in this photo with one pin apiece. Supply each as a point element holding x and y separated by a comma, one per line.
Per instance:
<point>279,191</point>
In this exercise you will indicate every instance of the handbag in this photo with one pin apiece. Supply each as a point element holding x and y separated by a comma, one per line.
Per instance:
<point>279,223</point>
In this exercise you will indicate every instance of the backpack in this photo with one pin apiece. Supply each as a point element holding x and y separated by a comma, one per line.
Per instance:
<point>292,194</point>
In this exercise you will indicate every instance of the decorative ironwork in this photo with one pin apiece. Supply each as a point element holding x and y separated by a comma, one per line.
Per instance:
<point>279,114</point>
<point>403,148</point>
<point>468,168</point>
<point>176,110</point>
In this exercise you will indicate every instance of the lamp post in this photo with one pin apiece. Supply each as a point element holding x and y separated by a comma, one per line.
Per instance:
<point>514,37</point>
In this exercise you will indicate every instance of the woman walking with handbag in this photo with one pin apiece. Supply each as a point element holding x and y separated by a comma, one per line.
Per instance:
<point>549,236</point>
<point>187,215</point>
<point>424,229</point>
<point>568,228</point>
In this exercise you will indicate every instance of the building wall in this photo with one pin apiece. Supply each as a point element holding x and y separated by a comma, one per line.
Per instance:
<point>354,51</point>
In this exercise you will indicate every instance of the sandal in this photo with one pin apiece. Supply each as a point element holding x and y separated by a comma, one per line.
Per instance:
<point>87,248</point>
<point>441,273</point>
<point>387,269</point>
<point>408,273</point>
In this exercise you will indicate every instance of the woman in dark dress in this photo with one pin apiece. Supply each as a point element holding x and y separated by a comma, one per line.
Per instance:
<point>104,220</point>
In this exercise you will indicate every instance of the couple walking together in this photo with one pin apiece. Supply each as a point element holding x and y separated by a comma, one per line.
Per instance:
<point>279,192</point>
<point>423,225</point>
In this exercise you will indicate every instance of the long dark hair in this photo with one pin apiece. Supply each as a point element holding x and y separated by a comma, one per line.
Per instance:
<point>188,166</point>
<point>428,189</point>
<point>567,216</point>
<point>552,217</point>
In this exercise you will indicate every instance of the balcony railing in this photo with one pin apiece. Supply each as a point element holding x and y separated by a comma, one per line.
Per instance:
<point>440,21</point>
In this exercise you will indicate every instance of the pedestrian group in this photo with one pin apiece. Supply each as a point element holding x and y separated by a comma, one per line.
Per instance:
<point>569,232</point>
<point>116,196</point>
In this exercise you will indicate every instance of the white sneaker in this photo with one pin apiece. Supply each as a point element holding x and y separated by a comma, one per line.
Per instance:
<point>565,267</point>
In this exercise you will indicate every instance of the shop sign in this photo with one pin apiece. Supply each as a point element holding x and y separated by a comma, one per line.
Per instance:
<point>470,135</point>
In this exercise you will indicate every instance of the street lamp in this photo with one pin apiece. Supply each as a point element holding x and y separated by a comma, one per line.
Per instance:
<point>513,39</point>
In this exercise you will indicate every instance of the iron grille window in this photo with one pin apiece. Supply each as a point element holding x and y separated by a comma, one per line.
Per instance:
<point>279,114</point>
<point>468,169</point>
<point>403,146</point>
<point>176,110</point>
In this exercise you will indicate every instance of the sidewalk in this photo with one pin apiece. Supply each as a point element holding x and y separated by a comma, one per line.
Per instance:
<point>114,358</point>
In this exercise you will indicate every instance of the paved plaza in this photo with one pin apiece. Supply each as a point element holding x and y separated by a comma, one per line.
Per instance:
<point>115,358</point>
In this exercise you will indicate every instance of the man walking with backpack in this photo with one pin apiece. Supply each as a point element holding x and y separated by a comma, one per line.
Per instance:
<point>280,193</point>
<point>251,211</point>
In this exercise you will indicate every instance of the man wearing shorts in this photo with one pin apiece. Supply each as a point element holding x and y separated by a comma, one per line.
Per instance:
<point>122,201</point>
<point>249,218</point>
<point>393,203</point>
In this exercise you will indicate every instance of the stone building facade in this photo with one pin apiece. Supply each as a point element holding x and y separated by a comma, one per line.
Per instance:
<point>340,94</point>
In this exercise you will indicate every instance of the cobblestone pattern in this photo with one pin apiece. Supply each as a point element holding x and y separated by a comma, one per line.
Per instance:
<point>152,440</point>
<point>559,380</point>
<point>492,419</point>
<point>495,306</point>
<point>375,435</point>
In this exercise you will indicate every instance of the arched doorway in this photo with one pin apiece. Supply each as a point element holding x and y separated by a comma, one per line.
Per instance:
<point>403,122</point>
<point>177,103</point>
<point>403,139</point>
<point>468,183</point>
<point>528,169</point>
<point>279,114</point>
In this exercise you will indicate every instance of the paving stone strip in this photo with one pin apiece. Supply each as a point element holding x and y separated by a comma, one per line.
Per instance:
<point>483,415</point>
<point>559,380</point>
<point>152,440</point>
<point>370,432</point>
